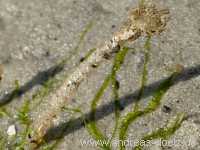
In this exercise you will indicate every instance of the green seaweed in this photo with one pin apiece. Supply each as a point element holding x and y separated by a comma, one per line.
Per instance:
<point>16,90</point>
<point>130,117</point>
<point>23,118</point>
<point>117,106</point>
<point>79,43</point>
<point>165,132</point>
<point>91,126</point>
<point>104,142</point>
<point>153,104</point>
<point>88,54</point>
<point>82,36</point>
<point>21,139</point>
<point>22,114</point>
<point>3,141</point>
<point>125,123</point>
<point>147,47</point>
<point>5,112</point>
<point>17,85</point>
<point>156,100</point>
<point>117,63</point>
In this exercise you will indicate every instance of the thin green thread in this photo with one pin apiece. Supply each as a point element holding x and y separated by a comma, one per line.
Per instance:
<point>165,132</point>
<point>153,104</point>
<point>92,127</point>
<point>147,47</point>
<point>131,116</point>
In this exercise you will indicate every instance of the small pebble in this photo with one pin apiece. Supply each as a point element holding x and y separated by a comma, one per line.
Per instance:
<point>94,65</point>
<point>117,84</point>
<point>11,130</point>
<point>113,26</point>
<point>82,59</point>
<point>166,109</point>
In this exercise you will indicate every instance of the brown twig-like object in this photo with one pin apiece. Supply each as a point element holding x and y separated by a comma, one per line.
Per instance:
<point>144,20</point>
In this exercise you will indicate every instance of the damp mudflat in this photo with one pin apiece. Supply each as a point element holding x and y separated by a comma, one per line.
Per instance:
<point>148,94</point>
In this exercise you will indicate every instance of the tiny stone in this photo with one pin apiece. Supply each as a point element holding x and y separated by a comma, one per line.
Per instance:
<point>166,109</point>
<point>47,53</point>
<point>117,84</point>
<point>29,136</point>
<point>94,65</point>
<point>113,26</point>
<point>82,59</point>
<point>11,130</point>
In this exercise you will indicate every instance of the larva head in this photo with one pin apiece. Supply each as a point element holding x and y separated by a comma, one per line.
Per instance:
<point>148,19</point>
